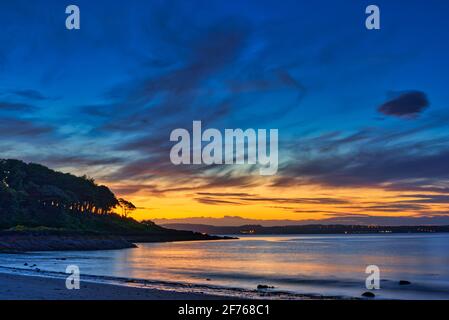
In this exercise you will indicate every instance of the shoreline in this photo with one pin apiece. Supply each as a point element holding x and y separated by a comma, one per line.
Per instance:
<point>22,242</point>
<point>31,287</point>
<point>22,284</point>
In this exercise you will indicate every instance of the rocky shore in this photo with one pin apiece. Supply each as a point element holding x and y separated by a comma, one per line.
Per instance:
<point>29,242</point>
<point>15,242</point>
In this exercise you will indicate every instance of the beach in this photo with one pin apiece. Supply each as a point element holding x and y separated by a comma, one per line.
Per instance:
<point>21,287</point>
<point>251,267</point>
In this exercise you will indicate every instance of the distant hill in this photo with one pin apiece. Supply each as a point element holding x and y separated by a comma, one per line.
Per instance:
<point>304,229</point>
<point>36,201</point>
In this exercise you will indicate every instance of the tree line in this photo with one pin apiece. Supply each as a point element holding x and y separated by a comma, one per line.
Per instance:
<point>32,194</point>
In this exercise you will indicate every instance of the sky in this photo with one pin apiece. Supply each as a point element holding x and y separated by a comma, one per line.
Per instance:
<point>362,115</point>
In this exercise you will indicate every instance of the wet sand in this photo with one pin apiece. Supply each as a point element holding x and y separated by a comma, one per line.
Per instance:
<point>20,287</point>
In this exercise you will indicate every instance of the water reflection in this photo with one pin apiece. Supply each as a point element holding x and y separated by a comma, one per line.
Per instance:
<point>330,264</point>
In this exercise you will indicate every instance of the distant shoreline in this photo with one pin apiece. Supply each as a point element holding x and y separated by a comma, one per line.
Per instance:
<point>306,229</point>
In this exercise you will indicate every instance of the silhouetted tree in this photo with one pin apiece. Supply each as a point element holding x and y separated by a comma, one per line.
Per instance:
<point>127,206</point>
<point>33,194</point>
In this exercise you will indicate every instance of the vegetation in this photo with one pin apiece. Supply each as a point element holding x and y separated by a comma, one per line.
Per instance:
<point>34,196</point>
<point>127,207</point>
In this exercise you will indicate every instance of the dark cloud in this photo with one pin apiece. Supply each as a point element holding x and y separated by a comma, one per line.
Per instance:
<point>213,201</point>
<point>270,80</point>
<point>434,187</point>
<point>98,110</point>
<point>246,199</point>
<point>224,194</point>
<point>369,168</point>
<point>80,160</point>
<point>306,211</point>
<point>390,207</point>
<point>31,94</point>
<point>195,176</point>
<point>13,106</point>
<point>428,198</point>
<point>406,105</point>
<point>15,128</point>
<point>228,181</point>
<point>153,167</point>
<point>288,80</point>
<point>151,189</point>
<point>331,201</point>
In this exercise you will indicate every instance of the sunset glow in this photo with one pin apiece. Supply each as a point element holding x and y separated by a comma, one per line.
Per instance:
<point>362,115</point>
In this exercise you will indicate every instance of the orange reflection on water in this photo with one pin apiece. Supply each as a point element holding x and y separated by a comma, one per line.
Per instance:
<point>186,261</point>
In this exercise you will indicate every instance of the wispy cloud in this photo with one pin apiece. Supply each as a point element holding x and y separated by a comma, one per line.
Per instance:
<point>16,128</point>
<point>244,198</point>
<point>31,94</point>
<point>16,106</point>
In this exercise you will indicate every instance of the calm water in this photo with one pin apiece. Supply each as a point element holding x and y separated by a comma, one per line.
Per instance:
<point>306,264</point>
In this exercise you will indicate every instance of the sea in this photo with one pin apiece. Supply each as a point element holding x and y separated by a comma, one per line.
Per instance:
<point>264,266</point>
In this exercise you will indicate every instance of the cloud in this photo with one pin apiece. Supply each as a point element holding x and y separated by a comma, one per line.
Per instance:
<point>390,207</point>
<point>224,194</point>
<point>437,187</point>
<point>11,128</point>
<point>195,86</point>
<point>406,105</point>
<point>269,80</point>
<point>226,72</point>
<point>146,109</point>
<point>212,201</point>
<point>369,168</point>
<point>30,94</point>
<point>247,199</point>
<point>392,159</point>
<point>151,189</point>
<point>360,219</point>
<point>170,95</point>
<point>319,200</point>
<point>80,160</point>
<point>428,198</point>
<point>229,180</point>
<point>13,106</point>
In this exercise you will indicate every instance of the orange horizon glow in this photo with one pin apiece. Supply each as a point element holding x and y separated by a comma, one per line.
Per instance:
<point>186,204</point>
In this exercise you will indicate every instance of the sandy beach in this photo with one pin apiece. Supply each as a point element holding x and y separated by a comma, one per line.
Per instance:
<point>20,287</point>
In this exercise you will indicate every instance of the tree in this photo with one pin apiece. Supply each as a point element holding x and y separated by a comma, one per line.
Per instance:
<point>40,196</point>
<point>127,206</point>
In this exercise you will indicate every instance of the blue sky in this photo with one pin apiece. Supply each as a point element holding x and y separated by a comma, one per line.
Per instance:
<point>102,100</point>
